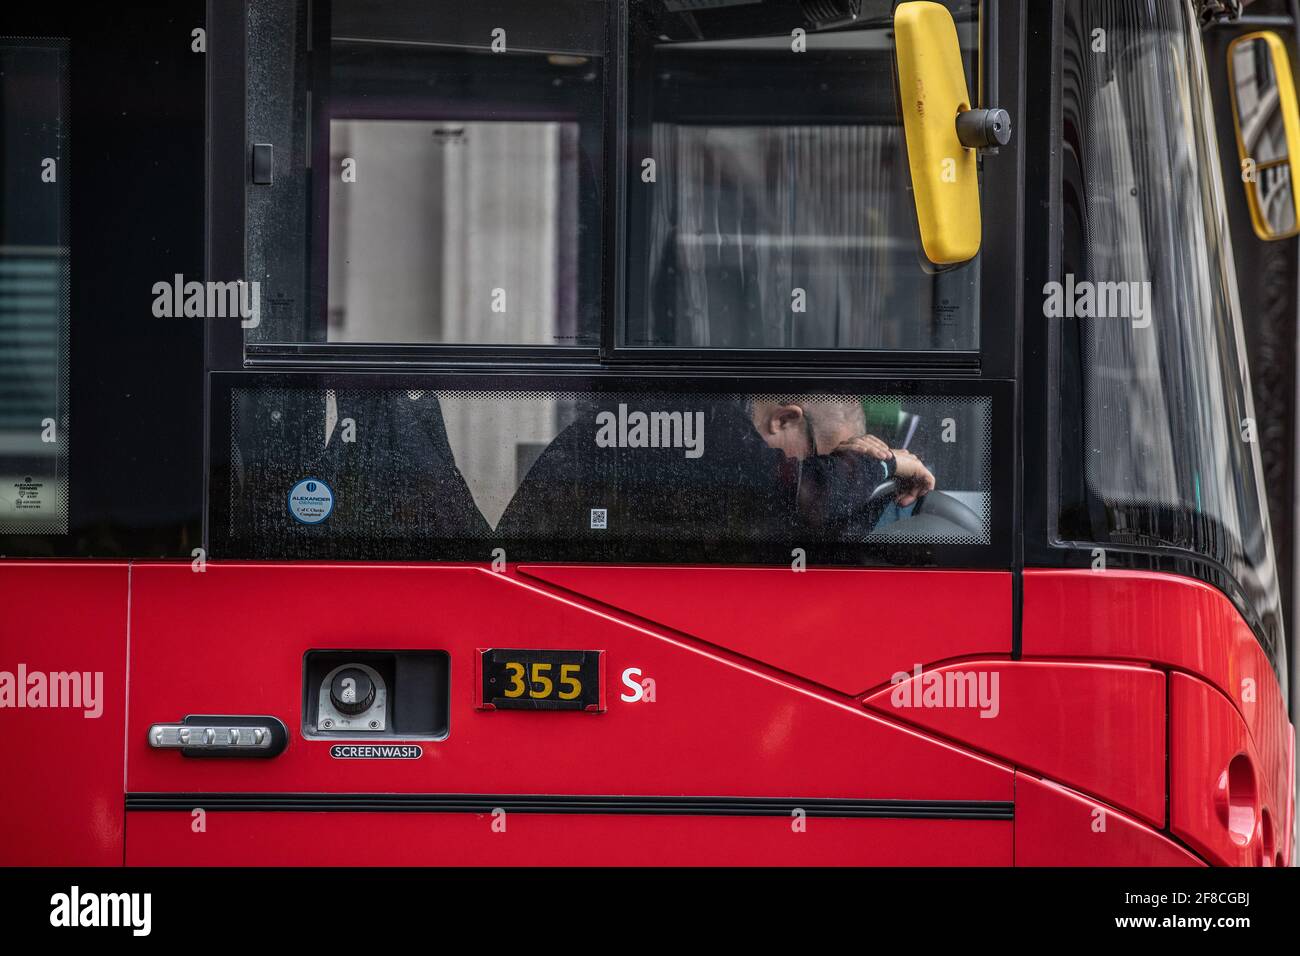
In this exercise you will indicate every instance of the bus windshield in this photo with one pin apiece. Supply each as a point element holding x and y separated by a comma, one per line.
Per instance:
<point>1158,437</point>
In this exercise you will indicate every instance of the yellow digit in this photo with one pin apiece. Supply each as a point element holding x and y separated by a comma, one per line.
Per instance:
<point>540,678</point>
<point>516,688</point>
<point>566,672</point>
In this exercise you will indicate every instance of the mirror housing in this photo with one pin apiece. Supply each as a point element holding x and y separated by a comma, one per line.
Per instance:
<point>932,96</point>
<point>1267,122</point>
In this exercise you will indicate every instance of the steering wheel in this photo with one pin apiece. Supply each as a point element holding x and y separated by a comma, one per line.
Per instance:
<point>939,504</point>
<point>887,489</point>
<point>935,515</point>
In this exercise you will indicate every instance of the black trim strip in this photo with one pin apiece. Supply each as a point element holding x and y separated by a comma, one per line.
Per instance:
<point>536,803</point>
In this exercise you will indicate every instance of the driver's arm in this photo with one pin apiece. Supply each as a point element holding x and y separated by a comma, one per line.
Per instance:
<point>914,479</point>
<point>834,488</point>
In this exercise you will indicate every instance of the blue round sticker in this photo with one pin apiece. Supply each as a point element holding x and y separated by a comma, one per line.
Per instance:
<point>311,501</point>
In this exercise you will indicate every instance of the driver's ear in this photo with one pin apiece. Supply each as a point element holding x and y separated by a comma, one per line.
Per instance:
<point>782,417</point>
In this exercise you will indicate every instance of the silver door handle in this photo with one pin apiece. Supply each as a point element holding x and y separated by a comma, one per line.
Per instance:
<point>202,736</point>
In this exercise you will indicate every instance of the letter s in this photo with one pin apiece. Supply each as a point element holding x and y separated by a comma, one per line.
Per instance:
<point>630,682</point>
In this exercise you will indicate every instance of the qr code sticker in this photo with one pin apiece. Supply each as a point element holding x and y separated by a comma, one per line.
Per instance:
<point>599,519</point>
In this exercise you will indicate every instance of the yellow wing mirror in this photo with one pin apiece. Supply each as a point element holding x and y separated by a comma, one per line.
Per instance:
<point>1268,131</point>
<point>944,133</point>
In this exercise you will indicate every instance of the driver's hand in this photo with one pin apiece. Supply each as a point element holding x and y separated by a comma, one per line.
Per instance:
<point>868,445</point>
<point>914,479</point>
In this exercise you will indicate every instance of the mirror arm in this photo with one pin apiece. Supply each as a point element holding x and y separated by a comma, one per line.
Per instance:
<point>984,129</point>
<point>1217,11</point>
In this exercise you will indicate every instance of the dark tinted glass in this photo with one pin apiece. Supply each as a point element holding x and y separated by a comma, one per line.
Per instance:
<point>369,473</point>
<point>1158,436</point>
<point>768,187</point>
<point>436,171</point>
<point>34,286</point>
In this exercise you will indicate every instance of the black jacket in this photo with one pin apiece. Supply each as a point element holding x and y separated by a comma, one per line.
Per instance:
<point>739,489</point>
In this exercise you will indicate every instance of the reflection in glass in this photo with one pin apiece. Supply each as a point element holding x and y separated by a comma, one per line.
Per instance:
<point>1261,126</point>
<point>446,239</point>
<point>780,214</point>
<point>1153,455</point>
<point>1275,200</point>
<point>1259,104</point>
<point>438,171</point>
<point>35,286</point>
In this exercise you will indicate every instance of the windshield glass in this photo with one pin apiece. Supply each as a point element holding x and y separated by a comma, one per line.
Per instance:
<point>769,197</point>
<point>1157,430</point>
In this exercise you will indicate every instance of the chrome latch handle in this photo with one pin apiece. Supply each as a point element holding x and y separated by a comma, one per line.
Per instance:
<point>207,736</point>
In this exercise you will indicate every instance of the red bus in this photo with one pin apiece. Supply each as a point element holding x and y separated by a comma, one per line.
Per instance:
<point>638,432</point>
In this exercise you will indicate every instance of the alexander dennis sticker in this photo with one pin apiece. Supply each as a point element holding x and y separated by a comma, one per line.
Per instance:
<point>29,495</point>
<point>311,501</point>
<point>376,752</point>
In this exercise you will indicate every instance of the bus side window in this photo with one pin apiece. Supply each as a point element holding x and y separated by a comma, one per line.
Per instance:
<point>449,165</point>
<point>34,287</point>
<point>759,467</point>
<point>379,462</point>
<point>544,474</point>
<point>778,212</point>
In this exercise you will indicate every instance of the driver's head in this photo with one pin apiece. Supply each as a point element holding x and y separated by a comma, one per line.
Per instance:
<point>805,425</point>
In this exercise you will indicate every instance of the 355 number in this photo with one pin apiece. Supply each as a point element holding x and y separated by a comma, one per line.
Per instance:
<point>538,684</point>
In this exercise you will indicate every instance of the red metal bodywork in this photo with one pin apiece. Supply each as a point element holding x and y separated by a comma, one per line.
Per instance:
<point>1059,827</point>
<point>64,771</point>
<point>232,640</point>
<point>415,839</point>
<point>1187,628</point>
<point>823,625</point>
<point>768,683</point>
<point>1096,727</point>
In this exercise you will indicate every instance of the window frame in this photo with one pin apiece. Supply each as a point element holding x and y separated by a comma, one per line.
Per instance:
<point>993,370</point>
<point>1001,252</point>
<point>318,257</point>
<point>134,381</point>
